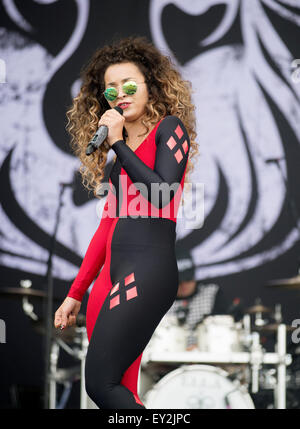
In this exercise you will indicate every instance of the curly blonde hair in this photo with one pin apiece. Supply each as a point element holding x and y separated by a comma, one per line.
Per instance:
<point>168,92</point>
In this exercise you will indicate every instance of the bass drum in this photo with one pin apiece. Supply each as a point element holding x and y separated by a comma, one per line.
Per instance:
<point>198,387</point>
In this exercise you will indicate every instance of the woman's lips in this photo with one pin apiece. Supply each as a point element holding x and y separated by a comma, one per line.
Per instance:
<point>124,105</point>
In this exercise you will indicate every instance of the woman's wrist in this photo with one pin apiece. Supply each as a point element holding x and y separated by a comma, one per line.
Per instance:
<point>120,139</point>
<point>116,139</point>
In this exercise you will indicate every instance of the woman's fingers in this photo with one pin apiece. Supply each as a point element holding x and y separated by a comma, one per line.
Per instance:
<point>57,319</point>
<point>72,320</point>
<point>61,319</point>
<point>64,320</point>
<point>67,313</point>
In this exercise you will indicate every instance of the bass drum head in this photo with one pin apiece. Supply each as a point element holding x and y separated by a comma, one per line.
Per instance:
<point>198,387</point>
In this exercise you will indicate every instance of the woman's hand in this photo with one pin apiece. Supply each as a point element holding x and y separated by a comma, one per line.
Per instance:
<point>66,314</point>
<point>115,124</point>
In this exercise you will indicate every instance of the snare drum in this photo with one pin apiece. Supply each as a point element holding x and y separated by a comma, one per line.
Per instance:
<point>198,387</point>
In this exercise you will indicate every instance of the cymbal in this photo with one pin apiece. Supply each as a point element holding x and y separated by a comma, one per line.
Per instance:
<point>290,283</point>
<point>19,292</point>
<point>272,327</point>
<point>258,309</point>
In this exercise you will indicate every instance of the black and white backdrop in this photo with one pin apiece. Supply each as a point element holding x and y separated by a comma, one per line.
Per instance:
<point>239,56</point>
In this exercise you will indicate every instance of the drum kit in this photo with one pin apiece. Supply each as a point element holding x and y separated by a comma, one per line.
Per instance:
<point>228,367</point>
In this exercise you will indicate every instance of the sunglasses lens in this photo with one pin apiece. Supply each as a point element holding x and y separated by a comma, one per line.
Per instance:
<point>110,94</point>
<point>130,87</point>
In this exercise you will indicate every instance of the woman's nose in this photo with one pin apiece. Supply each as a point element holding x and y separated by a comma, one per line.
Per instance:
<point>121,93</point>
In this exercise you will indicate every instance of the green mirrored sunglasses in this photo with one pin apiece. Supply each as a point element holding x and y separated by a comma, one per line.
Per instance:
<point>129,88</point>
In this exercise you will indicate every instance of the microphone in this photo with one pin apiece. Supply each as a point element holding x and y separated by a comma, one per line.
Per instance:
<point>100,136</point>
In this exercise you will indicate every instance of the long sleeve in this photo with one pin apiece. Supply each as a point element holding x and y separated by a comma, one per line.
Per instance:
<point>93,259</point>
<point>171,157</point>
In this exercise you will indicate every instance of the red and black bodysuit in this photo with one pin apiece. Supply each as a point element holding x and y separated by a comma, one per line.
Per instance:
<point>135,247</point>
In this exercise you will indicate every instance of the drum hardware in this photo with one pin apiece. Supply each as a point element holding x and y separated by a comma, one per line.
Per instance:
<point>272,328</point>
<point>73,335</point>
<point>238,372</point>
<point>245,351</point>
<point>258,309</point>
<point>278,314</point>
<point>292,380</point>
<point>246,332</point>
<point>64,376</point>
<point>267,379</point>
<point>28,309</point>
<point>269,328</point>
<point>27,306</point>
<point>65,395</point>
<point>256,360</point>
<point>25,292</point>
<point>71,351</point>
<point>69,375</point>
<point>82,357</point>
<point>72,340</point>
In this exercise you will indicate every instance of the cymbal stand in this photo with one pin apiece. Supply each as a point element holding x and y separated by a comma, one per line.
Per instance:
<point>278,314</point>
<point>247,339</point>
<point>26,305</point>
<point>49,300</point>
<point>280,390</point>
<point>53,369</point>
<point>82,357</point>
<point>282,360</point>
<point>255,361</point>
<point>65,376</point>
<point>79,353</point>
